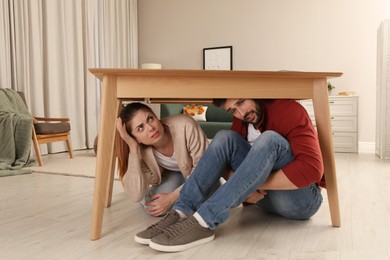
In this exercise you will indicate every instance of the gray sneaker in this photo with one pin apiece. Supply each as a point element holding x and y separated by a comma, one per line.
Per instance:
<point>181,236</point>
<point>145,236</point>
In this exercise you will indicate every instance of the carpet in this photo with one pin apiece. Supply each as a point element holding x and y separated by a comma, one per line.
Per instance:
<point>4,173</point>
<point>82,164</point>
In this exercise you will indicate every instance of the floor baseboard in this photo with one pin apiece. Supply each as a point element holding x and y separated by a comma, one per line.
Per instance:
<point>366,147</point>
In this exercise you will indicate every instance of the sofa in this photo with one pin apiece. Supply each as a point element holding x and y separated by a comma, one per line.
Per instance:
<point>216,118</point>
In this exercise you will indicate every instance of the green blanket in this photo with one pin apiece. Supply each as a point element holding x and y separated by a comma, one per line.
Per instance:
<point>15,134</point>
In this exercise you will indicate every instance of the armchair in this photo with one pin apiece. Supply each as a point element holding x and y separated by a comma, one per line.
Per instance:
<point>46,130</point>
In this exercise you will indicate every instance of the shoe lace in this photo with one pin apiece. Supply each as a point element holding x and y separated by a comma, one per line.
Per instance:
<point>162,222</point>
<point>178,228</point>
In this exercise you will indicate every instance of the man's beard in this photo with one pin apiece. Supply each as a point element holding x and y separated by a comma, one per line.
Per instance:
<point>258,114</point>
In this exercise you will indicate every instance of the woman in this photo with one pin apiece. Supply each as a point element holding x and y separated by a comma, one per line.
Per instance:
<point>156,156</point>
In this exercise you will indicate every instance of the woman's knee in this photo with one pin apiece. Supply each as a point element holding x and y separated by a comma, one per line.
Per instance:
<point>175,179</point>
<point>170,181</point>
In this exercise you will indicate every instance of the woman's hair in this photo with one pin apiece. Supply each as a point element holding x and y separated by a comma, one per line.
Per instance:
<point>122,149</point>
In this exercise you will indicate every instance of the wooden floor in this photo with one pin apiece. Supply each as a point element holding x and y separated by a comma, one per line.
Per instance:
<point>45,216</point>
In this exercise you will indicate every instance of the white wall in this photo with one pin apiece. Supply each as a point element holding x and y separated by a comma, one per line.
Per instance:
<point>304,35</point>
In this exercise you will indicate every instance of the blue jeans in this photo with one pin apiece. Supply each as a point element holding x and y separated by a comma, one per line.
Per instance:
<point>252,166</point>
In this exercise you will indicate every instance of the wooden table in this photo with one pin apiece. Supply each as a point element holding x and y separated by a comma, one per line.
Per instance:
<point>201,86</point>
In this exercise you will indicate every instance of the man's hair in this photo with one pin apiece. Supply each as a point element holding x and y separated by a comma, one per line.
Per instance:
<point>218,102</point>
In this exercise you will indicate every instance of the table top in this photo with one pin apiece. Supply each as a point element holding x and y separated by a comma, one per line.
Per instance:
<point>100,72</point>
<point>175,86</point>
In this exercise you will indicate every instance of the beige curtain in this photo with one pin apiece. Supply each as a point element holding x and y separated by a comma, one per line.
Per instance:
<point>49,46</point>
<point>5,48</point>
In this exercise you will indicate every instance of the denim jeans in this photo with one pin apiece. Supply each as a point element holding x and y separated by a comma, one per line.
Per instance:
<point>252,166</point>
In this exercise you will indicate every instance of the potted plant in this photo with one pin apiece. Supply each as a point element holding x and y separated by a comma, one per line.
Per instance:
<point>330,87</point>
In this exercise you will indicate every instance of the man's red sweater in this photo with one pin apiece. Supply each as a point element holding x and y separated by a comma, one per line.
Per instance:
<point>290,120</point>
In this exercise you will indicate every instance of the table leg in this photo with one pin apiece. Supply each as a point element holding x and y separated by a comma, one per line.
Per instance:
<point>105,152</point>
<point>322,116</point>
<point>113,161</point>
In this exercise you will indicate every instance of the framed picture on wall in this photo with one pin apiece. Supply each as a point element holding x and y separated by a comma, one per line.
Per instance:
<point>218,58</point>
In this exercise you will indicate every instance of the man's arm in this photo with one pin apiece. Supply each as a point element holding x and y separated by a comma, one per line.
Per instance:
<point>290,119</point>
<point>276,181</point>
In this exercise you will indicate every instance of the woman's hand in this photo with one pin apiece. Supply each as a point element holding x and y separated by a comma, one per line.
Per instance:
<point>160,203</point>
<point>256,196</point>
<point>131,142</point>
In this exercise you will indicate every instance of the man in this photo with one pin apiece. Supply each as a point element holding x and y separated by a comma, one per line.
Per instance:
<point>276,161</point>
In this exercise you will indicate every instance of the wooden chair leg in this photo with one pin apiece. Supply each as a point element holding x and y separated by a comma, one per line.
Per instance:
<point>69,148</point>
<point>36,148</point>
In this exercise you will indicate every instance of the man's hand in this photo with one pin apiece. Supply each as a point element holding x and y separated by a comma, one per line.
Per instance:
<point>256,196</point>
<point>160,203</point>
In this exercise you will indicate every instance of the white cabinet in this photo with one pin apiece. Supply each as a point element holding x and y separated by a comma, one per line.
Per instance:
<point>344,121</point>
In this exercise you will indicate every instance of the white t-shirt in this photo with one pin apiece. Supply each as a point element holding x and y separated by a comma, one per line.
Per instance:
<point>169,163</point>
<point>253,133</point>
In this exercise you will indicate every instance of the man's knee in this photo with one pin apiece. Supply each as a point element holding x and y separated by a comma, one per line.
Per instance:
<point>224,136</point>
<point>268,138</point>
<point>270,135</point>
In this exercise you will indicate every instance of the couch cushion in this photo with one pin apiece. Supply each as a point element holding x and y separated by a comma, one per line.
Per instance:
<point>171,109</point>
<point>216,118</point>
<point>211,128</point>
<point>216,114</point>
<point>213,114</point>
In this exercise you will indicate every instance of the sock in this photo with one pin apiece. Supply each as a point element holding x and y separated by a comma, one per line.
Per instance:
<point>181,214</point>
<point>200,220</point>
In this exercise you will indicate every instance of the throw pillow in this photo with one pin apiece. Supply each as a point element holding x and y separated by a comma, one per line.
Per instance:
<point>196,112</point>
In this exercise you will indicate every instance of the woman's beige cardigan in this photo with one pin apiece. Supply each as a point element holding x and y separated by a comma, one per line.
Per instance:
<point>189,143</point>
